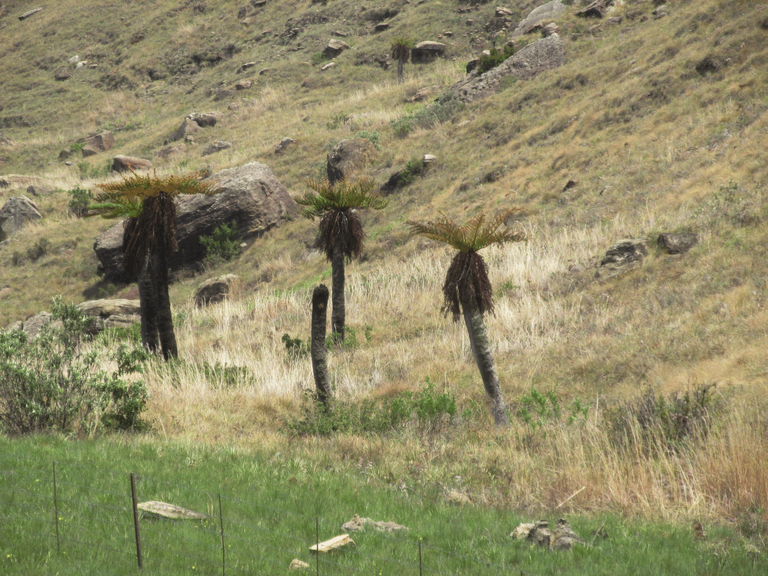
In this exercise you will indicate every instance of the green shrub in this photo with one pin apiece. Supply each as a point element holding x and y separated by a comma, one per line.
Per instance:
<point>496,57</point>
<point>80,200</point>
<point>372,137</point>
<point>664,423</point>
<point>539,410</point>
<point>426,410</point>
<point>226,376</point>
<point>296,347</point>
<point>50,383</point>
<point>426,116</point>
<point>221,246</point>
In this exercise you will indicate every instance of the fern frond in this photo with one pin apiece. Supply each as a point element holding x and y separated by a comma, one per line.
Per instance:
<point>340,196</point>
<point>473,236</point>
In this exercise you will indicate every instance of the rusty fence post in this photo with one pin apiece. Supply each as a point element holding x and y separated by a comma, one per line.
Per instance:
<point>136,521</point>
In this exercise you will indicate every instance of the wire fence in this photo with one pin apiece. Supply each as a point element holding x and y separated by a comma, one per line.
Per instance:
<point>92,516</point>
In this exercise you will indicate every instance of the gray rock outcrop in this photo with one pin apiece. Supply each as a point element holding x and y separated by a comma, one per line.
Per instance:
<point>98,143</point>
<point>427,51</point>
<point>348,156</point>
<point>538,16</point>
<point>127,163</point>
<point>15,213</point>
<point>334,48</point>
<point>545,54</point>
<point>251,196</point>
<point>215,289</point>
<point>622,257</point>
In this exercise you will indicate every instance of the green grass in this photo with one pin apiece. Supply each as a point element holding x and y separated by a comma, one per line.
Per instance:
<point>270,504</point>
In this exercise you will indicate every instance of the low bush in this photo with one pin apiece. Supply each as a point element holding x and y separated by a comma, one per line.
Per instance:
<point>53,383</point>
<point>79,201</point>
<point>496,57</point>
<point>426,116</point>
<point>426,410</point>
<point>221,246</point>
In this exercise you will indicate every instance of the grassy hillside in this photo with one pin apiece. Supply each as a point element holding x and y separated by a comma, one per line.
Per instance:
<point>659,121</point>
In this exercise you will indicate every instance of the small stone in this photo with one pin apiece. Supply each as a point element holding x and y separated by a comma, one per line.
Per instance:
<point>241,13</point>
<point>284,143</point>
<point>680,243</point>
<point>216,289</point>
<point>328,66</point>
<point>61,75</point>
<point>334,48</point>
<point>429,158</point>
<point>168,511</point>
<point>222,93</point>
<point>217,146</point>
<point>243,84</point>
<point>297,564</point>
<point>522,531</point>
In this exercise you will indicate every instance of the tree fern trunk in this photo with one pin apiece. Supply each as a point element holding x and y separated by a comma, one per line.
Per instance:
<point>481,350</point>
<point>148,310</point>
<point>163,302</point>
<point>338,315</point>
<point>318,351</point>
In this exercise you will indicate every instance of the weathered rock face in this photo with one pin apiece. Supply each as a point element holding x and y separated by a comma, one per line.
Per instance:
<point>118,313</point>
<point>98,143</point>
<point>427,51</point>
<point>251,196</point>
<point>34,324</point>
<point>217,146</point>
<point>215,290</point>
<point>348,156</point>
<point>596,9</point>
<point>680,243</point>
<point>127,163</point>
<point>424,94</point>
<point>187,128</point>
<point>16,212</point>
<point>621,257</point>
<point>544,54</point>
<point>203,119</point>
<point>334,48</point>
<point>538,16</point>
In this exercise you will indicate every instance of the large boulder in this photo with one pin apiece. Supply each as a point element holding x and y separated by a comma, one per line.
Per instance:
<point>426,51</point>
<point>537,57</point>
<point>98,143</point>
<point>118,313</point>
<point>215,290</point>
<point>129,163</point>
<point>251,196</point>
<point>334,48</point>
<point>538,16</point>
<point>348,156</point>
<point>16,212</point>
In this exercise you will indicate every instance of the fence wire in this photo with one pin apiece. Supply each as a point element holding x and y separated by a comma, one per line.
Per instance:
<point>87,514</point>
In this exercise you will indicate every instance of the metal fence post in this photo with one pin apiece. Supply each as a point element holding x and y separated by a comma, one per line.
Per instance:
<point>56,508</point>
<point>136,521</point>
<point>221,522</point>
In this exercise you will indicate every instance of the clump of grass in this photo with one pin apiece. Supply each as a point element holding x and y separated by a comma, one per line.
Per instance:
<point>496,57</point>
<point>426,116</point>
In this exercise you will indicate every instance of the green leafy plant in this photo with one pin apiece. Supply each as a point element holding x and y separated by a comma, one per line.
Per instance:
<point>51,383</point>
<point>496,57</point>
<point>79,201</point>
<point>221,246</point>
<point>426,116</point>
<point>400,51</point>
<point>372,136</point>
<point>296,347</point>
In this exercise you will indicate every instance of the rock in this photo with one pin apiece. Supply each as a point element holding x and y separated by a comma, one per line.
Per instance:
<point>381,27</point>
<point>127,163</point>
<point>563,537</point>
<point>217,146</point>
<point>614,20</point>
<point>522,531</point>
<point>457,498</point>
<point>622,257</point>
<point>215,290</point>
<point>64,154</point>
<point>503,12</point>
<point>242,12</point>
<point>245,66</point>
<point>284,143</point>
<point>538,15</point>
<point>379,14</point>
<point>107,308</point>
<point>243,84</point>
<point>187,128</point>
<point>708,65</point>
<point>334,48</point>
<point>34,324</point>
<point>15,213</point>
<point>62,74</point>
<point>540,534</point>
<point>162,510</point>
<point>222,93</point>
<point>426,51</point>
<point>358,524</point>
<point>660,11</point>
<point>122,321</point>
<point>429,159</point>
<point>38,190</point>
<point>203,119</point>
<point>98,143</point>
<point>297,564</point>
<point>339,34</point>
<point>680,243</point>
<point>550,30</point>
<point>348,156</point>
<point>328,66</point>
<point>251,196</point>
<point>544,54</point>
<point>29,13</point>
<point>258,3</point>
<point>171,150</point>
<point>596,9</point>
<point>424,94</point>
